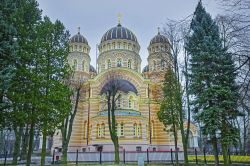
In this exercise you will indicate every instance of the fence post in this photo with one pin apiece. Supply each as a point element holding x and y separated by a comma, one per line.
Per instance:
<point>196,160</point>
<point>229,157</point>
<point>77,157</point>
<point>205,159</point>
<point>5,157</point>
<point>53,159</point>
<point>124,156</point>
<point>172,156</point>
<point>147,157</point>
<point>100,156</point>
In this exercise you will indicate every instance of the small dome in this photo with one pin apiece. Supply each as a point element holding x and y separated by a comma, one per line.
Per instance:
<point>92,69</point>
<point>119,32</point>
<point>145,69</point>
<point>78,38</point>
<point>159,39</point>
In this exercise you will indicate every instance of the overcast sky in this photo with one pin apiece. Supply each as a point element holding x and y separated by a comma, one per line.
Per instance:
<point>142,17</point>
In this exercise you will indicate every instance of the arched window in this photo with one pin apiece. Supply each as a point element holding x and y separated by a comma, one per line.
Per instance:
<point>109,64</point>
<point>119,62</point>
<point>98,127</point>
<point>154,65</point>
<point>125,45</point>
<point>190,140</point>
<point>130,102</point>
<point>122,129</point>
<point>103,130</point>
<point>117,129</point>
<point>152,129</point>
<point>109,46</point>
<point>157,48</point>
<point>129,63</point>
<point>90,131</point>
<point>85,130</point>
<point>83,65</point>
<point>113,45</point>
<point>162,64</point>
<point>135,129</point>
<point>162,48</point>
<point>129,46</point>
<point>80,48</point>
<point>119,45</point>
<point>75,64</point>
<point>75,47</point>
<point>119,102</point>
<point>139,130</point>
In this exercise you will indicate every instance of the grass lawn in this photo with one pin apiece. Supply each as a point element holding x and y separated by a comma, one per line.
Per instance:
<point>234,159</point>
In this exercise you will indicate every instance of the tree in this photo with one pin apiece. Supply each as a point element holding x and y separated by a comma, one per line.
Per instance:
<point>111,90</point>
<point>8,57</point>
<point>212,81</point>
<point>52,42</point>
<point>234,27</point>
<point>77,86</point>
<point>171,106</point>
<point>23,90</point>
<point>175,32</point>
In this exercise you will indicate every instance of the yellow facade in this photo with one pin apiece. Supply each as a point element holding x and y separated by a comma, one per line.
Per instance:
<point>138,126</point>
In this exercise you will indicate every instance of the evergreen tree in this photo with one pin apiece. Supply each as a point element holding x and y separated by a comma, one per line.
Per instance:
<point>171,106</point>
<point>212,81</point>
<point>24,89</point>
<point>8,56</point>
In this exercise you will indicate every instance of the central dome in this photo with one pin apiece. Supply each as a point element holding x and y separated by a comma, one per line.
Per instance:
<point>119,32</point>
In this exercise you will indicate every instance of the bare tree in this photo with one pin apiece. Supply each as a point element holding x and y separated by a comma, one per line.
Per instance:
<point>111,90</point>
<point>175,31</point>
<point>66,129</point>
<point>235,34</point>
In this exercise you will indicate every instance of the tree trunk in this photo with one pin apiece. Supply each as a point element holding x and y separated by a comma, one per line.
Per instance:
<point>25,141</point>
<point>225,154</point>
<point>67,127</point>
<point>31,140</point>
<point>43,153</point>
<point>239,132</point>
<point>176,145</point>
<point>64,154</point>
<point>184,144</point>
<point>18,133</point>
<point>117,157</point>
<point>224,144</point>
<point>246,123</point>
<point>215,149</point>
<point>186,135</point>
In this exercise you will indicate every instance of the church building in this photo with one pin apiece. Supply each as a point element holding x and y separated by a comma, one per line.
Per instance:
<point>138,127</point>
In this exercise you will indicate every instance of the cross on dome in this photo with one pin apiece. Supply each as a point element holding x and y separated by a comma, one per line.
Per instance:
<point>119,18</point>
<point>78,29</point>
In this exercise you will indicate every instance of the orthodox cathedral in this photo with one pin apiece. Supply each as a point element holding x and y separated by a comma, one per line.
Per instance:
<point>138,127</point>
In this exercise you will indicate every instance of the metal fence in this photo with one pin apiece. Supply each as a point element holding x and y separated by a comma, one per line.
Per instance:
<point>125,156</point>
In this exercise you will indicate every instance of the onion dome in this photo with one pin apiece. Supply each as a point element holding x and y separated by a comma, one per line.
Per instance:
<point>78,38</point>
<point>145,69</point>
<point>119,32</point>
<point>159,38</point>
<point>92,69</point>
